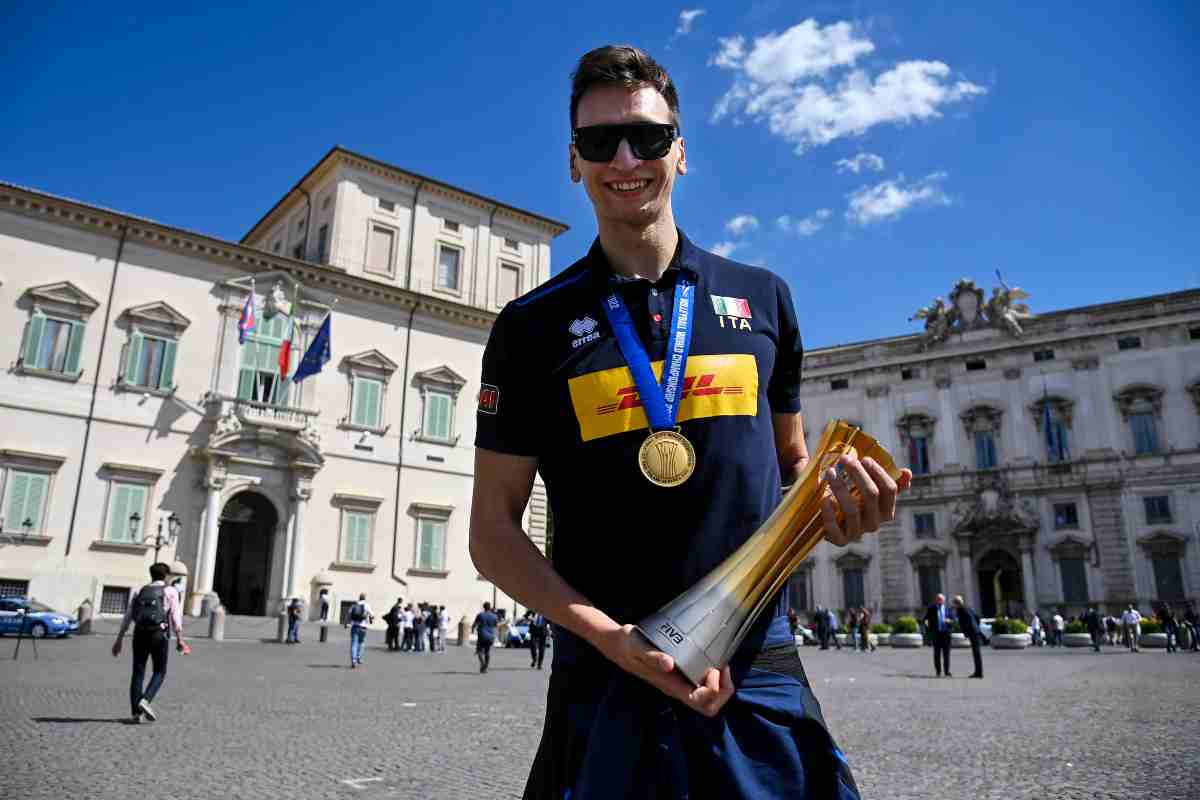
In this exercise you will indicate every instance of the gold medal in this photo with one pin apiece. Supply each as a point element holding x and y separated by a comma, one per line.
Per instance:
<point>667,458</point>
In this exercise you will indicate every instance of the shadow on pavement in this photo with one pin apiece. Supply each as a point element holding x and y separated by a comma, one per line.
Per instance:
<point>919,676</point>
<point>328,666</point>
<point>76,720</point>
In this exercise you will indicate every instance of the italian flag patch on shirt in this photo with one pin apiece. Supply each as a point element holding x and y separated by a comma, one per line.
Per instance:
<point>731,306</point>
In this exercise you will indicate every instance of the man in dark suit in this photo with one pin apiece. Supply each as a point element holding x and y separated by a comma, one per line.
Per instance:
<point>937,622</point>
<point>1095,626</point>
<point>968,623</point>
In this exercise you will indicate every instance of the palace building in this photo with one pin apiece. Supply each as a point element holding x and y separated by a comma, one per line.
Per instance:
<point>1057,455</point>
<point>131,409</point>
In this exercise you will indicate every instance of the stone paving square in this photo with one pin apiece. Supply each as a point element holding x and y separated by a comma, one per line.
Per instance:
<point>248,719</point>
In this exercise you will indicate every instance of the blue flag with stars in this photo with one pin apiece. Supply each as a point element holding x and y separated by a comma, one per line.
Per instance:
<point>317,354</point>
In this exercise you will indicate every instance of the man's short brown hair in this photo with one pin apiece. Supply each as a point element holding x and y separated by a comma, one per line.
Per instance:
<point>622,65</point>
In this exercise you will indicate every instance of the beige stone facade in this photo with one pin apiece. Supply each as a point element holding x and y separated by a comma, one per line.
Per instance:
<point>128,393</point>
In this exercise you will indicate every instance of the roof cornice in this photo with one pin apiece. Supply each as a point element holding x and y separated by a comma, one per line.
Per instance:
<point>339,155</point>
<point>35,204</point>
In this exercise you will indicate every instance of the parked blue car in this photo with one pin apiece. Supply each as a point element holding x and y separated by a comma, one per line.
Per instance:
<point>40,620</point>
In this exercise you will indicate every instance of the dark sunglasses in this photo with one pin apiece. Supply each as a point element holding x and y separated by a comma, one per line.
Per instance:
<point>648,141</point>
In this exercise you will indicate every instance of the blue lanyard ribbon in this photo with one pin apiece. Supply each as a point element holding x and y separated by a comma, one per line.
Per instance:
<point>660,401</point>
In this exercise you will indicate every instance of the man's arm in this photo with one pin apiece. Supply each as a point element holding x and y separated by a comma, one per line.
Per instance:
<point>790,447</point>
<point>128,618</point>
<point>505,555</point>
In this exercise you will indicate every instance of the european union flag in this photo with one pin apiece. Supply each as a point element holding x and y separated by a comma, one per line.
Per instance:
<point>317,354</point>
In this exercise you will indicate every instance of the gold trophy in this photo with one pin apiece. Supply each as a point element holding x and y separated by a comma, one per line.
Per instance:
<point>702,628</point>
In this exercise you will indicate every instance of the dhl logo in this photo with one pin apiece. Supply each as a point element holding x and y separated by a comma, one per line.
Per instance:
<point>629,397</point>
<point>607,402</point>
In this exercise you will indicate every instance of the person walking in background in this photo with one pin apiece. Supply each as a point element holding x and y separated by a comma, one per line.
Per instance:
<point>431,627</point>
<point>295,610</point>
<point>1095,626</point>
<point>1059,626</point>
<point>418,622</point>
<point>937,622</point>
<point>443,627</point>
<point>1111,626</point>
<point>1131,621</point>
<point>154,612</point>
<point>968,624</point>
<point>833,628</point>
<point>1192,622</point>
<point>864,629</point>
<point>1035,630</point>
<point>324,605</point>
<point>822,621</point>
<point>537,640</point>
<point>360,617</point>
<point>852,628</point>
<point>1166,618</point>
<point>484,628</point>
<point>406,629</point>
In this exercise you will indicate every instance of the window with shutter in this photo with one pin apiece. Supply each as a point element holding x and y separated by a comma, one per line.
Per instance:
<point>124,500</point>
<point>380,250</point>
<point>448,263</point>
<point>356,537</point>
<point>133,357</point>
<point>55,346</point>
<point>432,545</point>
<point>367,395</point>
<point>33,339</point>
<point>437,416</point>
<point>1145,433</point>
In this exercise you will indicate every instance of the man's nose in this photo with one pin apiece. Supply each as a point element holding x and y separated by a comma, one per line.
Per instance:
<point>624,157</point>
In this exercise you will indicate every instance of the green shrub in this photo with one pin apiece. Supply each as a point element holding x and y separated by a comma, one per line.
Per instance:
<point>905,625</point>
<point>880,627</point>
<point>1076,627</point>
<point>1151,626</point>
<point>1004,625</point>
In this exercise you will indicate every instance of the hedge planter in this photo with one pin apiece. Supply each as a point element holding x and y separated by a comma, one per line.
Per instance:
<point>882,639</point>
<point>1011,641</point>
<point>905,640</point>
<point>1077,639</point>
<point>1153,640</point>
<point>959,640</point>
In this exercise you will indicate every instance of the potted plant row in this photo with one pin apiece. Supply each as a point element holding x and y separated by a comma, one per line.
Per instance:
<point>882,633</point>
<point>1152,634</point>
<point>905,633</point>
<point>1076,635</point>
<point>1010,634</point>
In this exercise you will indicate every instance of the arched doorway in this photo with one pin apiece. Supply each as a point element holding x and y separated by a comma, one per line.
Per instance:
<point>245,543</point>
<point>1000,592</point>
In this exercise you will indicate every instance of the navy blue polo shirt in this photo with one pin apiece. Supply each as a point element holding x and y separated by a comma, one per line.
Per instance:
<point>556,387</point>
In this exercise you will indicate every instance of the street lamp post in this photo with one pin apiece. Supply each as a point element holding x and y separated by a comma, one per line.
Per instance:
<point>174,524</point>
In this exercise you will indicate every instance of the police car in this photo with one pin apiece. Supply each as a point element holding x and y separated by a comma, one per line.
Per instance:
<point>40,620</point>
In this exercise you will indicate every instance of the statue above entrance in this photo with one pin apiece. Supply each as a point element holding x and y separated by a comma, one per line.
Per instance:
<point>967,311</point>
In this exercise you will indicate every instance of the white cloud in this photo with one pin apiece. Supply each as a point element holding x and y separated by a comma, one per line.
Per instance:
<point>742,223</point>
<point>888,199</point>
<point>686,18</point>
<point>804,227</point>
<point>804,86</point>
<point>724,249</point>
<point>867,161</point>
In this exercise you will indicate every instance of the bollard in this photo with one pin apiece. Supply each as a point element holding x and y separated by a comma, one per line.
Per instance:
<point>281,630</point>
<point>85,617</point>
<point>324,633</point>
<point>216,624</point>
<point>462,631</point>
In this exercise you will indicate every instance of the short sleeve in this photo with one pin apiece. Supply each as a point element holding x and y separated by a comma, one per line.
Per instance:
<point>506,411</point>
<point>783,391</point>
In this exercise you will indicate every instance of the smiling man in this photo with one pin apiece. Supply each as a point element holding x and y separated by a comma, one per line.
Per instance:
<point>655,387</point>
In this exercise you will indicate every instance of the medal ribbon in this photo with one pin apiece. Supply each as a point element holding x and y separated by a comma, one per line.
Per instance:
<point>660,401</point>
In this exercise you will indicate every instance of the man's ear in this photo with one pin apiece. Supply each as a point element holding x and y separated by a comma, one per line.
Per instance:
<point>681,167</point>
<point>576,175</point>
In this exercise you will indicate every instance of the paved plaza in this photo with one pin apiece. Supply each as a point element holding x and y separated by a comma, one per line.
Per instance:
<point>251,719</point>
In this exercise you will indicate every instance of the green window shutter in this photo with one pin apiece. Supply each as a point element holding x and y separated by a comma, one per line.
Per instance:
<point>364,537</point>
<point>34,498</point>
<point>118,514</point>
<point>18,490</point>
<point>33,338</point>
<point>168,366</point>
<point>133,357</point>
<point>359,402</point>
<point>366,402</point>
<point>74,346</point>
<point>438,560</point>
<point>357,547</point>
<point>425,553</point>
<point>373,416</point>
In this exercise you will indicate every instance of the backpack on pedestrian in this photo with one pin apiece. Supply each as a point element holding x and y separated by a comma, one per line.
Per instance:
<point>150,609</point>
<point>358,613</point>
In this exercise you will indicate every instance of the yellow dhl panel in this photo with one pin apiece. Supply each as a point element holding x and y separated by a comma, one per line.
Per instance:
<point>607,402</point>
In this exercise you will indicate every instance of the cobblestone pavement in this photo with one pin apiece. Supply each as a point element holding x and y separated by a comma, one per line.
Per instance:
<point>248,719</point>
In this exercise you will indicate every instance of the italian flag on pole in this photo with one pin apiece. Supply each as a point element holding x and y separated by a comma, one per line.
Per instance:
<point>285,350</point>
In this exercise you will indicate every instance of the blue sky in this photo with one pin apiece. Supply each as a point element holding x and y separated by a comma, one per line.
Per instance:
<point>1054,144</point>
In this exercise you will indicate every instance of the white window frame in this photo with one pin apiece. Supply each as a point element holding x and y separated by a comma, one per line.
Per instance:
<point>368,506</point>
<point>64,303</point>
<point>391,267</point>
<point>117,476</point>
<point>369,365</point>
<point>42,464</point>
<point>455,291</point>
<point>435,514</point>
<point>151,321</point>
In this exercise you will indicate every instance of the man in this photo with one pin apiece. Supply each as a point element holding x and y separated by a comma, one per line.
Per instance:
<point>484,628</point>
<point>1095,625</point>
<point>1131,621</point>
<point>831,627</point>
<point>968,623</point>
<point>418,627</point>
<point>443,627</point>
<point>822,623</point>
<point>406,628</point>
<point>294,611</point>
<point>324,605</point>
<point>393,618</point>
<point>1035,630</point>
<point>1192,623</point>
<point>1170,627</point>
<point>1060,625</point>
<point>431,627</point>
<point>937,623</point>
<point>154,612</point>
<point>537,640</point>
<point>360,617</point>
<point>652,485</point>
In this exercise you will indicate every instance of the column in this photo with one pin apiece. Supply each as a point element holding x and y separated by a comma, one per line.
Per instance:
<point>1028,583</point>
<point>295,569</point>
<point>206,562</point>
<point>947,430</point>
<point>964,560</point>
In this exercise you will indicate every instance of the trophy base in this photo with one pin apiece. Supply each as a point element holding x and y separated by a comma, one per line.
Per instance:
<point>690,658</point>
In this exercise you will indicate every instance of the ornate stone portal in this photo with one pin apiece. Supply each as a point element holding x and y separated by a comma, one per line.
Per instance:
<point>967,311</point>
<point>996,519</point>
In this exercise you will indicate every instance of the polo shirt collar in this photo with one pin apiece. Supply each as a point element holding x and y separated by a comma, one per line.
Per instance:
<point>687,256</point>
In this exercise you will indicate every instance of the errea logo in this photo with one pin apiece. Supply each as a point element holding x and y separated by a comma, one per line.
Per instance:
<point>584,331</point>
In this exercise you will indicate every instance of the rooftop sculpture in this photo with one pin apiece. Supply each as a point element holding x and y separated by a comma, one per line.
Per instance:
<point>968,311</point>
